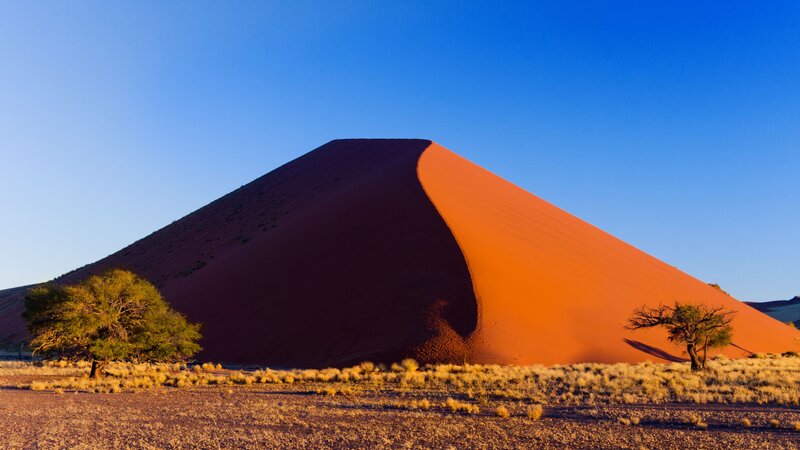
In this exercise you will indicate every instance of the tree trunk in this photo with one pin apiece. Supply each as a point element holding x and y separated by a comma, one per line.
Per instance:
<point>705,354</point>
<point>693,356</point>
<point>97,369</point>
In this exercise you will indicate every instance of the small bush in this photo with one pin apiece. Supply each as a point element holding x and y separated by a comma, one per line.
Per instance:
<point>39,386</point>
<point>693,419</point>
<point>457,406</point>
<point>502,411</point>
<point>330,392</point>
<point>409,365</point>
<point>746,422</point>
<point>535,412</point>
<point>774,423</point>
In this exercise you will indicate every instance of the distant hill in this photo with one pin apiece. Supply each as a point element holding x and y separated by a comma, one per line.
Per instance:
<point>784,310</point>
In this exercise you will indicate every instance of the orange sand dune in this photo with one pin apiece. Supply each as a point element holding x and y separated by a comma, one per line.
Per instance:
<point>553,289</point>
<point>382,249</point>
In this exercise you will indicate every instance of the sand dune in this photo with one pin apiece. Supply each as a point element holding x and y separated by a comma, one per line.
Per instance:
<point>381,249</point>
<point>552,288</point>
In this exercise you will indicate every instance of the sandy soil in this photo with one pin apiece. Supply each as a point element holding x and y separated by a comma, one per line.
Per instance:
<point>277,417</point>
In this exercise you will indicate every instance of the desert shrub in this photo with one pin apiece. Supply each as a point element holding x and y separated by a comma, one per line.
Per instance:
<point>746,422</point>
<point>457,406</point>
<point>39,386</point>
<point>113,316</point>
<point>693,419</point>
<point>502,411</point>
<point>409,365</point>
<point>535,412</point>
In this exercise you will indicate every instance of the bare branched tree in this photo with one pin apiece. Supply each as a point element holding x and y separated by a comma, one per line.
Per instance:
<point>698,326</point>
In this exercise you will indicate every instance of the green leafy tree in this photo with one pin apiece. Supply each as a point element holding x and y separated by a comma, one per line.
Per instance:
<point>699,327</point>
<point>114,316</point>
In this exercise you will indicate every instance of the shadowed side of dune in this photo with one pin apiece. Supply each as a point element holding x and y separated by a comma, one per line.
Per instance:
<point>335,257</point>
<point>552,288</point>
<point>12,327</point>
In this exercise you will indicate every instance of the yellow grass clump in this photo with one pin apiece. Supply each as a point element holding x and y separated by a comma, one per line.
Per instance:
<point>535,412</point>
<point>502,412</point>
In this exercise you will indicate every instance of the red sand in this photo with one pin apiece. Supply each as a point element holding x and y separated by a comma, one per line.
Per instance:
<point>381,249</point>
<point>553,289</point>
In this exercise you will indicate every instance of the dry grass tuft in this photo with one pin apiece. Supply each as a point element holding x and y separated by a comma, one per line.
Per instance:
<point>409,365</point>
<point>502,411</point>
<point>535,412</point>
<point>457,406</point>
<point>693,419</point>
<point>746,422</point>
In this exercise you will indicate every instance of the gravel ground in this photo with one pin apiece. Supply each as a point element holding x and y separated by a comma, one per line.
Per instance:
<point>289,417</point>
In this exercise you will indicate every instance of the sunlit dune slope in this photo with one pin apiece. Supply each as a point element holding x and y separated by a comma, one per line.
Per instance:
<point>553,289</point>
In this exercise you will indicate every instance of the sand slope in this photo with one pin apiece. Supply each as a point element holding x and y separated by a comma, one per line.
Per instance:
<point>554,289</point>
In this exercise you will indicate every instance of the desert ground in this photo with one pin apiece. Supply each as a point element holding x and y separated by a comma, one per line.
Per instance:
<point>750,403</point>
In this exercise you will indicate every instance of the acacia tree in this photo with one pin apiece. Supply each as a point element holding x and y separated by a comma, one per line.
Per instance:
<point>699,327</point>
<point>113,316</point>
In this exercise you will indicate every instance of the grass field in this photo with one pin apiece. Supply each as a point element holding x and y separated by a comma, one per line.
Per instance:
<point>749,403</point>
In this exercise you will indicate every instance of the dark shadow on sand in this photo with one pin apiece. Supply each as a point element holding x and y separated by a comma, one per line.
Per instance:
<point>657,352</point>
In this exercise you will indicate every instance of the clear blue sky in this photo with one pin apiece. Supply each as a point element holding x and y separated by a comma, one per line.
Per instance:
<point>672,125</point>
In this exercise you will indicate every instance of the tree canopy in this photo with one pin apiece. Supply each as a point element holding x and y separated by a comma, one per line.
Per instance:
<point>113,316</point>
<point>698,326</point>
